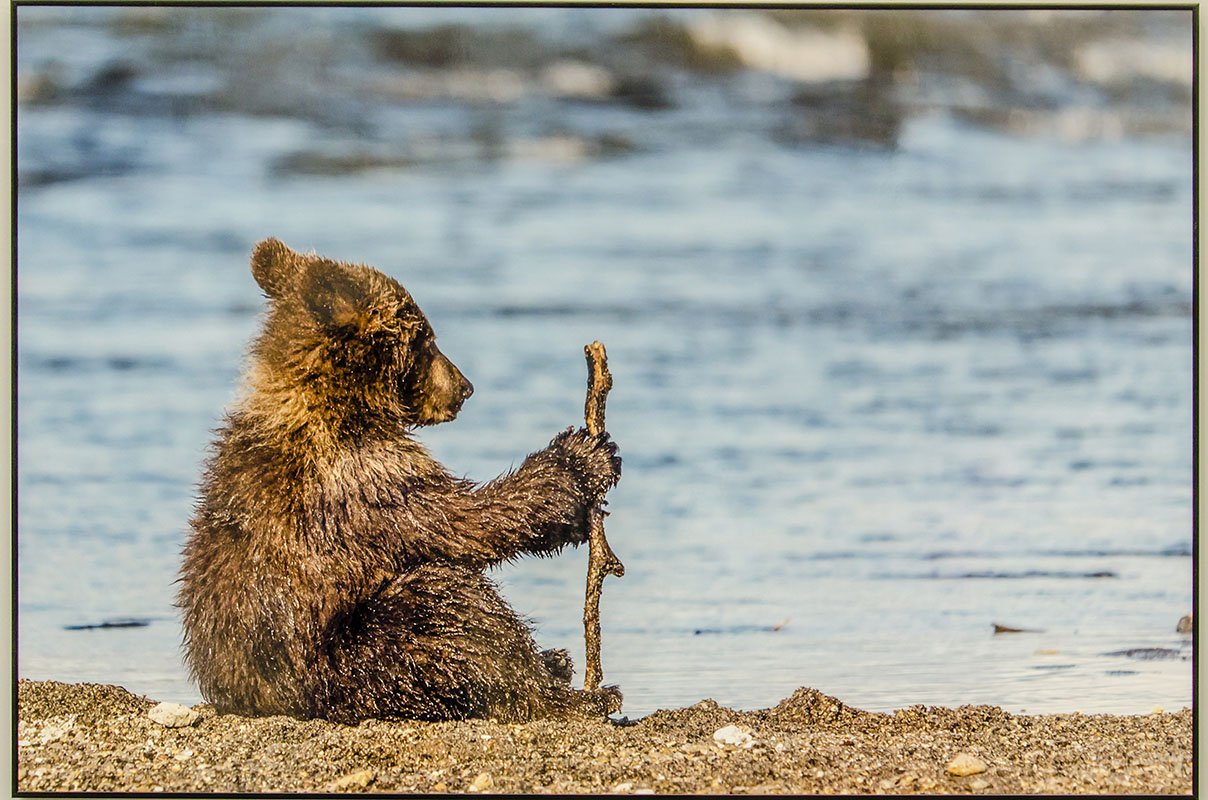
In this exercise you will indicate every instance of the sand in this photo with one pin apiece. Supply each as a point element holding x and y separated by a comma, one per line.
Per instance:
<point>94,738</point>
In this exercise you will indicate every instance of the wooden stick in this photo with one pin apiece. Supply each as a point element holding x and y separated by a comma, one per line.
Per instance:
<point>601,560</point>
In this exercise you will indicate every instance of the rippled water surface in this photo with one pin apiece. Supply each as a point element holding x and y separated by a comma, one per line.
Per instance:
<point>870,401</point>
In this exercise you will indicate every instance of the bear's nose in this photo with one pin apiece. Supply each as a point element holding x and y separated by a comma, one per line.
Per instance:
<point>467,388</point>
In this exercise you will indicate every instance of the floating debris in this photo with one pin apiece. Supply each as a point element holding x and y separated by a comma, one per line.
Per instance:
<point>742,628</point>
<point>316,163</point>
<point>999,628</point>
<point>1008,575</point>
<point>110,623</point>
<point>1148,653</point>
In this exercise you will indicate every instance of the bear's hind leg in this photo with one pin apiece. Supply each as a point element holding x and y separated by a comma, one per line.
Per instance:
<point>606,700</point>
<point>440,643</point>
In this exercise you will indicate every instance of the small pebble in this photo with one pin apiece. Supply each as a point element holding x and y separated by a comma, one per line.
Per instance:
<point>965,764</point>
<point>353,780</point>
<point>977,784</point>
<point>734,736</point>
<point>174,715</point>
<point>622,787</point>
<point>483,783</point>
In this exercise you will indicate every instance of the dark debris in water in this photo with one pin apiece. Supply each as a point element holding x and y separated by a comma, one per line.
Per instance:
<point>1177,550</point>
<point>117,363</point>
<point>1149,654</point>
<point>326,164</point>
<point>1006,575</point>
<point>741,629</point>
<point>1039,573</point>
<point>998,628</point>
<point>110,624</point>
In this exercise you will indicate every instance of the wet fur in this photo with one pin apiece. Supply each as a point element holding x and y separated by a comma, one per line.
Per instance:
<point>335,569</point>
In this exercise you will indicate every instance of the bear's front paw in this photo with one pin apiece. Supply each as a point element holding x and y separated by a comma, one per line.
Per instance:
<point>593,460</point>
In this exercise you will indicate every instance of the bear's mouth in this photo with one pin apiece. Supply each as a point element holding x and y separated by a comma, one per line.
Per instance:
<point>434,413</point>
<point>466,390</point>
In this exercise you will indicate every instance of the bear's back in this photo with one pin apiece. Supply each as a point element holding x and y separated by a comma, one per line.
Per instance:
<point>284,540</point>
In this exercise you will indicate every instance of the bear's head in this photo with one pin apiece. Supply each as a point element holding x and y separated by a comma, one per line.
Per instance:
<point>353,337</point>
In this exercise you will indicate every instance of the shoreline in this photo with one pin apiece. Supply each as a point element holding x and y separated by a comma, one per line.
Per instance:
<point>94,738</point>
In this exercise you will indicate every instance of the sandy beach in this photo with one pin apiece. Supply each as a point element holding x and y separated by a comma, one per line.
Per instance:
<point>95,738</point>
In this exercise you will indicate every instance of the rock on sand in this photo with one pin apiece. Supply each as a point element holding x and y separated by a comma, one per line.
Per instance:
<point>174,715</point>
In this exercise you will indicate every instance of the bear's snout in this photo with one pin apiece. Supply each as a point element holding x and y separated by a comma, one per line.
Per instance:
<point>445,391</point>
<point>463,391</point>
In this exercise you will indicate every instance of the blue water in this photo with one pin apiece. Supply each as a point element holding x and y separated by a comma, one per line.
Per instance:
<point>879,399</point>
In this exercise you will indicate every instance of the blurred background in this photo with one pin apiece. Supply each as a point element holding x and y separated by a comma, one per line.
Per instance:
<point>898,306</point>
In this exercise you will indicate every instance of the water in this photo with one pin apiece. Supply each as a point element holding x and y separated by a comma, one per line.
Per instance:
<point>878,398</point>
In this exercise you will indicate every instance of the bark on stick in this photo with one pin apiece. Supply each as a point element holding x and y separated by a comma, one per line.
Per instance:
<point>601,560</point>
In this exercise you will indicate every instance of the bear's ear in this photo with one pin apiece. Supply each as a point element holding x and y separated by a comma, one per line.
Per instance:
<point>333,296</point>
<point>273,265</point>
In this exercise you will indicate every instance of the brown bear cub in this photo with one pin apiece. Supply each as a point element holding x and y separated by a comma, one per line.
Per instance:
<point>334,568</point>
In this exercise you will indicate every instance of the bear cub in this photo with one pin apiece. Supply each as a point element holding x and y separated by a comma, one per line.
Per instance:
<point>335,569</point>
